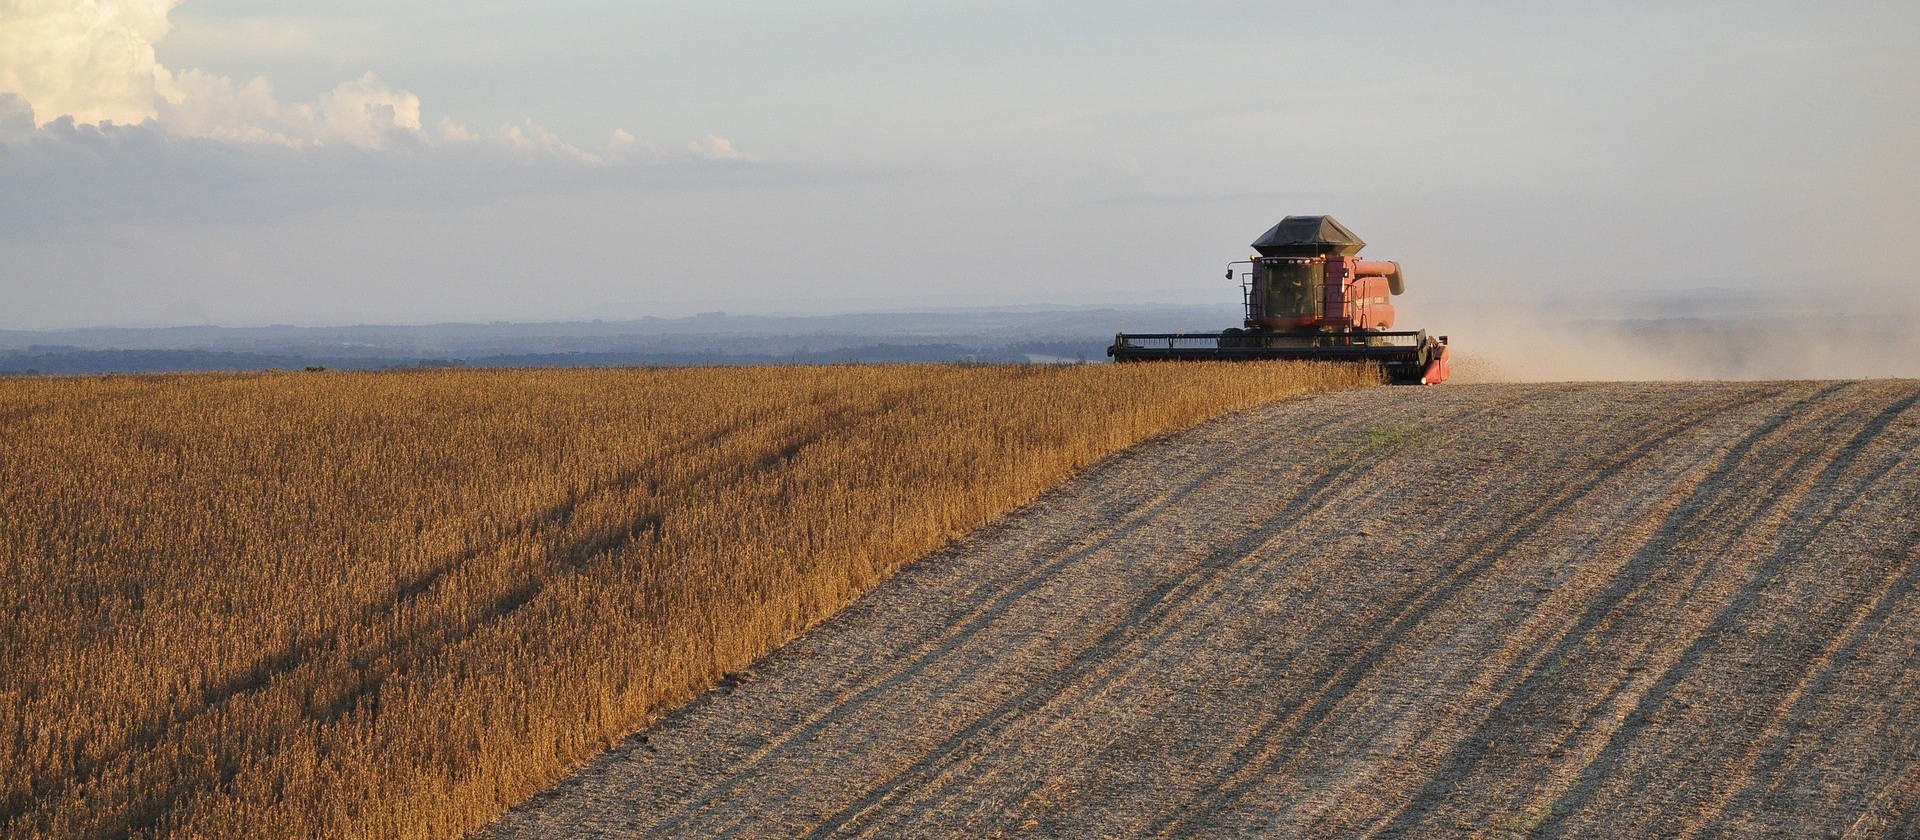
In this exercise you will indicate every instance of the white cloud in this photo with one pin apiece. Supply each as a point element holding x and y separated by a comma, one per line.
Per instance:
<point>714,147</point>
<point>89,59</point>
<point>364,113</point>
<point>93,61</point>
<point>93,131</point>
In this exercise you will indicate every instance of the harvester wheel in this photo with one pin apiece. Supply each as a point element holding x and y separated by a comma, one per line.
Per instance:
<point>1233,337</point>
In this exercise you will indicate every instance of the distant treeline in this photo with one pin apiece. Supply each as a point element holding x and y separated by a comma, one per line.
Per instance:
<point>79,360</point>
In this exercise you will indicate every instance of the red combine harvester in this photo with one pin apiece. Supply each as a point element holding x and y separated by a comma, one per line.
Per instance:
<point>1309,297</point>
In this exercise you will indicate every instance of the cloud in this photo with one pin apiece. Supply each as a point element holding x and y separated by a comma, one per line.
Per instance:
<point>65,173</point>
<point>94,130</point>
<point>16,117</point>
<point>364,113</point>
<point>713,147</point>
<point>92,61</point>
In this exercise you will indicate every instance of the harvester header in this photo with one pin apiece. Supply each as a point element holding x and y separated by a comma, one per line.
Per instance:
<point>1309,296</point>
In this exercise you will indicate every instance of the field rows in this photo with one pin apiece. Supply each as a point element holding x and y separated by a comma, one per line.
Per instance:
<point>1630,610</point>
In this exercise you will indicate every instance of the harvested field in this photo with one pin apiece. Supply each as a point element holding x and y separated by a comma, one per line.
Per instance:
<point>1592,610</point>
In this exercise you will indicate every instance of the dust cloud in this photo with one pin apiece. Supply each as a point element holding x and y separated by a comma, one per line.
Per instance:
<point>1543,348</point>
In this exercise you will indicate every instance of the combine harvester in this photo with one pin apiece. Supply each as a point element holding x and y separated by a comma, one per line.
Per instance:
<point>1309,297</point>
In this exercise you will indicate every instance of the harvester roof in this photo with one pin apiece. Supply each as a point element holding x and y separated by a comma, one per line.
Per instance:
<point>1308,236</point>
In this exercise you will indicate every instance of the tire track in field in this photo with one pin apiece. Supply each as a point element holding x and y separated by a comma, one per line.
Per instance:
<point>1269,625</point>
<point>1768,757</point>
<point>1836,631</point>
<point>1148,619</point>
<point>848,704</point>
<point>1267,746</point>
<point>853,699</point>
<point>1566,493</point>
<point>1147,610</point>
<point>1631,581</point>
<point>1161,606</point>
<point>1800,517</point>
<point>1582,794</point>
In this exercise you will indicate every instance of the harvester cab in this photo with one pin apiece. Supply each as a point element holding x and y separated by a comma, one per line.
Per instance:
<point>1309,296</point>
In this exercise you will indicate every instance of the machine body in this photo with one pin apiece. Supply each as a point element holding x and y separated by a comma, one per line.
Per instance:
<point>1308,295</point>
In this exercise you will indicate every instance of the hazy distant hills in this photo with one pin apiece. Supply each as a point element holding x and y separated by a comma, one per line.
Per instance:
<point>1688,334</point>
<point>996,335</point>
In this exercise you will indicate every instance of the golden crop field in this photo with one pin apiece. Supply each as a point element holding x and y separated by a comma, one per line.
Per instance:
<point>393,604</point>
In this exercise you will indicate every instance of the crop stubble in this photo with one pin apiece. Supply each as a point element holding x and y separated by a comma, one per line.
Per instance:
<point>1687,610</point>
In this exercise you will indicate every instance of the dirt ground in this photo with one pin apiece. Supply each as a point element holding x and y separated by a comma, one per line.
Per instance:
<point>1673,610</point>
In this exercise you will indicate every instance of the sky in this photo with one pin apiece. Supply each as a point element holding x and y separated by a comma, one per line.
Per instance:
<point>302,162</point>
